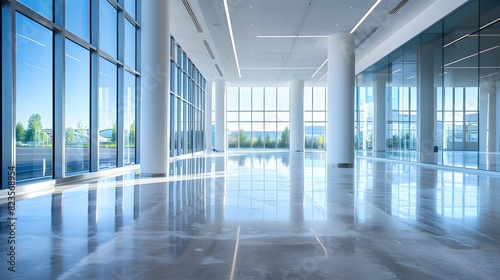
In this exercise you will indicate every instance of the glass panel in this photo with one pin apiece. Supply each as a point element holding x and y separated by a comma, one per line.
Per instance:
<point>245,99</point>
<point>33,111</point>
<point>283,136</point>
<point>130,7</point>
<point>232,99</point>
<point>257,99</point>
<point>284,116</point>
<point>471,99</point>
<point>258,134</point>
<point>270,116</point>
<point>308,99</point>
<point>245,116</point>
<point>258,116</point>
<point>129,118</point>
<point>78,18</point>
<point>283,99</point>
<point>459,99</point>
<point>270,93</point>
<point>129,44</point>
<point>270,135</point>
<point>108,33</point>
<point>77,118</point>
<point>244,134</point>
<point>319,99</point>
<point>45,8</point>
<point>232,116</point>
<point>232,134</point>
<point>107,114</point>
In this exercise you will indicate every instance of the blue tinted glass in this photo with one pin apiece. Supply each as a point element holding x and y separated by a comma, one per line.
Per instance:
<point>33,99</point>
<point>129,44</point>
<point>107,114</point>
<point>43,7</point>
<point>129,118</point>
<point>130,7</point>
<point>77,117</point>
<point>108,28</point>
<point>78,18</point>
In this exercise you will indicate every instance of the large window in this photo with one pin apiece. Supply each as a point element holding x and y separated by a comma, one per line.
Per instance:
<point>315,117</point>
<point>107,114</point>
<point>73,93</point>
<point>77,113</point>
<point>254,120</point>
<point>33,99</point>
<point>187,104</point>
<point>78,18</point>
<point>129,118</point>
<point>108,28</point>
<point>450,68</point>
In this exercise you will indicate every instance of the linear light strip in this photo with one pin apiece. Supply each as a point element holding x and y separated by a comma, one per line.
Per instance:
<point>319,68</point>
<point>292,36</point>
<point>474,35</point>
<point>472,55</point>
<point>228,18</point>
<point>278,68</point>
<point>365,16</point>
<point>486,76</point>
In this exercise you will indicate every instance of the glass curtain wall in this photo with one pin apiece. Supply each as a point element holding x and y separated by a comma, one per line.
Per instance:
<point>73,91</point>
<point>315,117</point>
<point>460,53</point>
<point>258,117</point>
<point>187,104</point>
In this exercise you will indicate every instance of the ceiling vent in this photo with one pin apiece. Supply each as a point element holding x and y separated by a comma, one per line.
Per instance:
<point>209,50</point>
<point>368,35</point>
<point>398,6</point>
<point>193,17</point>
<point>218,69</point>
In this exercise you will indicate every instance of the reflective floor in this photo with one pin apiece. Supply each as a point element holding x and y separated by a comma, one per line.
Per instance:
<point>464,159</point>
<point>262,215</point>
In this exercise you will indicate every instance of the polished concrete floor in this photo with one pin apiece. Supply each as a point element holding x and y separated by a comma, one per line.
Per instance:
<point>262,215</point>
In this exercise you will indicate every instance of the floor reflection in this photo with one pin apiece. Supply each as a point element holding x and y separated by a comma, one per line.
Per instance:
<point>264,215</point>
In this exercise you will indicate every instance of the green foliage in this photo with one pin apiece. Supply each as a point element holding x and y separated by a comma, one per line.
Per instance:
<point>70,135</point>
<point>270,144</point>
<point>34,131</point>
<point>233,140</point>
<point>284,141</point>
<point>244,141</point>
<point>20,132</point>
<point>113,134</point>
<point>131,134</point>
<point>259,143</point>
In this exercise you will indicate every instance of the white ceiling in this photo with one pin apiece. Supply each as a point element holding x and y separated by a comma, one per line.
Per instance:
<point>277,61</point>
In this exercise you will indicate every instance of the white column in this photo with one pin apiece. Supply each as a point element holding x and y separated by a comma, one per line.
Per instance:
<point>155,92</point>
<point>493,104</point>
<point>340,120</point>
<point>485,87</point>
<point>426,108</point>
<point>208,117</point>
<point>379,121</point>
<point>220,116</point>
<point>297,116</point>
